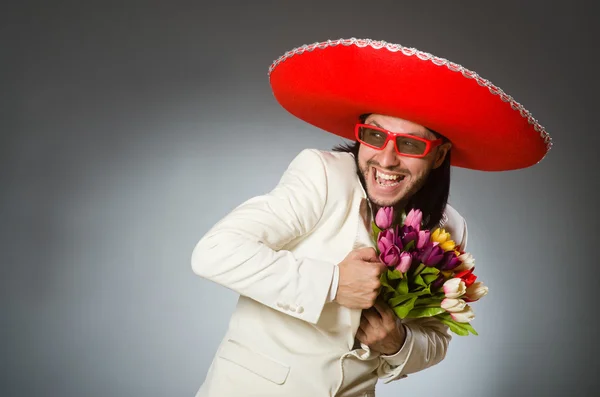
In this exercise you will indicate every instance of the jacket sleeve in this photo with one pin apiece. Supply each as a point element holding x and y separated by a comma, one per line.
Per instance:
<point>425,345</point>
<point>426,342</point>
<point>244,251</point>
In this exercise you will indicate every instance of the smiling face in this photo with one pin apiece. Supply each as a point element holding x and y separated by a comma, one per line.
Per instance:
<point>390,178</point>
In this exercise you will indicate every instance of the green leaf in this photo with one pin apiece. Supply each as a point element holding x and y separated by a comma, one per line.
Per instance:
<point>394,274</point>
<point>409,246</point>
<point>419,281</point>
<point>420,290</point>
<point>397,300</point>
<point>383,279</point>
<point>470,328</point>
<point>405,308</point>
<point>376,229</point>
<point>454,327</point>
<point>402,217</point>
<point>429,278</point>
<point>461,329</point>
<point>430,270</point>
<point>423,301</point>
<point>418,312</point>
<point>403,286</point>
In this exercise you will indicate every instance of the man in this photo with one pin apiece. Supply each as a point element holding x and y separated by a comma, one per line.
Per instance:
<point>307,322</point>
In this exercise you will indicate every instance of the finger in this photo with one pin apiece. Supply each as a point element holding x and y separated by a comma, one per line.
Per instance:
<point>361,336</point>
<point>384,310</point>
<point>364,324</point>
<point>374,312</point>
<point>387,321</point>
<point>373,318</point>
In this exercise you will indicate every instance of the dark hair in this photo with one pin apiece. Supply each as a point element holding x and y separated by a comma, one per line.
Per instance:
<point>432,198</point>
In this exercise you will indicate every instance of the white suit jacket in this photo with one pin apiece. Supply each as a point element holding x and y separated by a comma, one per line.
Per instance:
<point>278,251</point>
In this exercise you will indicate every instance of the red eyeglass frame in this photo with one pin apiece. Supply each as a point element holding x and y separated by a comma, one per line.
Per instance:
<point>391,136</point>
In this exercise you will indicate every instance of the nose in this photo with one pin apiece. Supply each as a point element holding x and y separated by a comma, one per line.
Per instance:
<point>388,158</point>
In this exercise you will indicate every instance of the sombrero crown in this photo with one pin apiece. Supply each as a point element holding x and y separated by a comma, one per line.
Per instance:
<point>330,84</point>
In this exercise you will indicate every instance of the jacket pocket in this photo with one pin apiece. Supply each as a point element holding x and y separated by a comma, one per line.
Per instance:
<point>254,362</point>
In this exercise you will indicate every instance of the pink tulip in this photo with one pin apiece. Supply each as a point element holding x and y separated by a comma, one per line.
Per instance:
<point>385,240</point>
<point>413,219</point>
<point>464,316</point>
<point>384,217</point>
<point>391,256</point>
<point>453,305</point>
<point>405,262</point>
<point>454,288</point>
<point>423,238</point>
<point>476,291</point>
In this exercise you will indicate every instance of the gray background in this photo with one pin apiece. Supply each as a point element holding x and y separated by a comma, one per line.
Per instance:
<point>128,129</point>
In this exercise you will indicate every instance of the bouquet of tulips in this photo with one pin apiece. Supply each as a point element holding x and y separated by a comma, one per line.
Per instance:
<point>427,275</point>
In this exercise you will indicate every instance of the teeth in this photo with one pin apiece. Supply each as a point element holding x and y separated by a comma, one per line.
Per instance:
<point>381,175</point>
<point>387,184</point>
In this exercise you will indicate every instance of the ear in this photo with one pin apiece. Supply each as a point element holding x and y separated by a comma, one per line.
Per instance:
<point>440,154</point>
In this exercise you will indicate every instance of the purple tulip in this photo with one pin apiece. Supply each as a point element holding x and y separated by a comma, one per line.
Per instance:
<point>423,238</point>
<point>449,261</point>
<point>404,262</point>
<point>432,254</point>
<point>397,238</point>
<point>391,256</point>
<point>438,282</point>
<point>408,234</point>
<point>384,217</point>
<point>413,219</point>
<point>386,239</point>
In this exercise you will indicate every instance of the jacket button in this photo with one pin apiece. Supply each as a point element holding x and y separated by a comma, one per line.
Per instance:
<point>300,309</point>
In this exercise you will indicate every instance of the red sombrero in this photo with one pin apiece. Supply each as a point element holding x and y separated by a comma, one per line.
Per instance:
<point>330,84</point>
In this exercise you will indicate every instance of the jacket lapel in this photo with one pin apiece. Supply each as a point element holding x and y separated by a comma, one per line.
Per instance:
<point>363,238</point>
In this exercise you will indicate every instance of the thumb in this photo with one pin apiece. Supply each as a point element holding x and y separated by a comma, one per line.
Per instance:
<point>368,254</point>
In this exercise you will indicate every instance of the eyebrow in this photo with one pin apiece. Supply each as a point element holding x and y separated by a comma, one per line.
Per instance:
<point>419,134</point>
<point>376,124</point>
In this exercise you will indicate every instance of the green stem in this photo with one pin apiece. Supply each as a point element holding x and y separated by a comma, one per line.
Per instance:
<point>419,269</point>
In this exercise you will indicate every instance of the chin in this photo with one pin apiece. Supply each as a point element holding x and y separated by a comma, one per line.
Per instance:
<point>383,201</point>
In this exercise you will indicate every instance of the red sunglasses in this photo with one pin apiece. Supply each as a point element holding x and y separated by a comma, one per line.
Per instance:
<point>405,144</point>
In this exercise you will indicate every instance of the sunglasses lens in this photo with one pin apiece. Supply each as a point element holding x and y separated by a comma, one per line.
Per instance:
<point>408,145</point>
<point>405,145</point>
<point>372,137</point>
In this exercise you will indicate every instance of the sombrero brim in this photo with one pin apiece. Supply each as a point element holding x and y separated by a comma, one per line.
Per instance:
<point>330,84</point>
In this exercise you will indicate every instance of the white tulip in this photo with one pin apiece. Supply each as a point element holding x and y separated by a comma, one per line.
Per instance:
<point>464,316</point>
<point>453,305</point>
<point>454,288</point>
<point>467,262</point>
<point>476,291</point>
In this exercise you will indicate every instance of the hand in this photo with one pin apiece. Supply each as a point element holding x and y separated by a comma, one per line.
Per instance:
<point>359,283</point>
<point>380,330</point>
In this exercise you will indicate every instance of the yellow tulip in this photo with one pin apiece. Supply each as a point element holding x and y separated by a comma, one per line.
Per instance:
<point>439,235</point>
<point>443,238</point>
<point>448,245</point>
